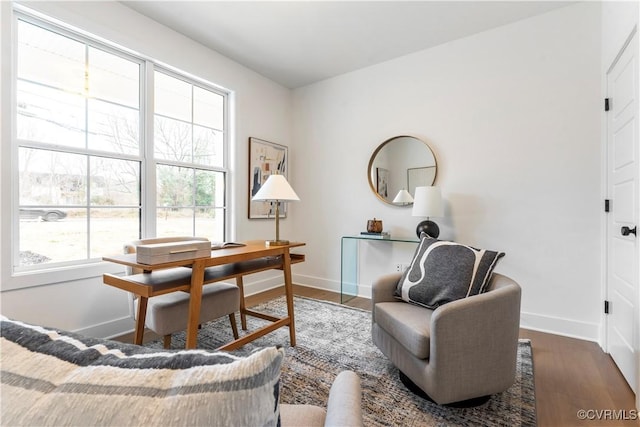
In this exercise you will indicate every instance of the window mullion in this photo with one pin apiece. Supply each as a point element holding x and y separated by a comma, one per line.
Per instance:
<point>86,146</point>
<point>61,149</point>
<point>194,190</point>
<point>148,173</point>
<point>194,194</point>
<point>88,203</point>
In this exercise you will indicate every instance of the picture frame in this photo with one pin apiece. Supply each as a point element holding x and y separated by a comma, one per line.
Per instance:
<point>382,182</point>
<point>265,158</point>
<point>420,177</point>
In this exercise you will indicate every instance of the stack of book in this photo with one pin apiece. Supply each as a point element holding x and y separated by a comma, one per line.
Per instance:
<point>381,235</point>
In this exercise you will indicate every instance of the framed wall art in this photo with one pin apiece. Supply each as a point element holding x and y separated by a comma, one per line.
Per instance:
<point>382,182</point>
<point>420,177</point>
<point>265,158</point>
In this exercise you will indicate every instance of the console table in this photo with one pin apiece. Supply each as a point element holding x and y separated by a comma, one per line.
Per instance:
<point>223,264</point>
<point>349,267</point>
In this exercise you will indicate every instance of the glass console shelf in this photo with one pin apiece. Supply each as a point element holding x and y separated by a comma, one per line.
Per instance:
<point>349,268</point>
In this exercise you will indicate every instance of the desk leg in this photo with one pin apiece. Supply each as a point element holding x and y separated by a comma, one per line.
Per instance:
<point>243,308</point>
<point>288,289</point>
<point>140,320</point>
<point>195,301</point>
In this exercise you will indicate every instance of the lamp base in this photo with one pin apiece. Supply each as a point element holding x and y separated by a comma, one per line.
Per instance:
<point>428,227</point>
<point>270,243</point>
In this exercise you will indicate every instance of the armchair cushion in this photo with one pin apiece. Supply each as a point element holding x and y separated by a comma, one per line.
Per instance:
<point>442,271</point>
<point>409,324</point>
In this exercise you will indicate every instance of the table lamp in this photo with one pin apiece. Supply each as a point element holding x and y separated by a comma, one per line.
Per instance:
<point>427,203</point>
<point>276,189</point>
<point>403,198</point>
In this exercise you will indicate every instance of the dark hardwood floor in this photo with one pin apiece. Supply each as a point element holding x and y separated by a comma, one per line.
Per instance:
<point>573,375</point>
<point>570,374</point>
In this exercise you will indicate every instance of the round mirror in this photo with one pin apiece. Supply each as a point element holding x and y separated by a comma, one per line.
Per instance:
<point>401,163</point>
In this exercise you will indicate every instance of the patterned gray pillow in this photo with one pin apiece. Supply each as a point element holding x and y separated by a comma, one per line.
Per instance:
<point>442,271</point>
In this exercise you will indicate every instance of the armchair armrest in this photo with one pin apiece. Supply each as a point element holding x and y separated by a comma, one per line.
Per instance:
<point>475,339</point>
<point>383,288</point>
<point>344,406</point>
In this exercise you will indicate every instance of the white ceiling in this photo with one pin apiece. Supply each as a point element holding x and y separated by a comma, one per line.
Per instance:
<point>296,43</point>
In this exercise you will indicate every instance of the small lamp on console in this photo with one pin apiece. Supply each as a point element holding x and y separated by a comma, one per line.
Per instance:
<point>276,189</point>
<point>403,198</point>
<point>427,203</point>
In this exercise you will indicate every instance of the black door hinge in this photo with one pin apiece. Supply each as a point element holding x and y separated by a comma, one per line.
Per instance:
<point>606,104</point>
<point>606,307</point>
<point>607,205</point>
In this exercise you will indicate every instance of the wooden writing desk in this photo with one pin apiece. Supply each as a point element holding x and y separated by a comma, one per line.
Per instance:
<point>223,264</point>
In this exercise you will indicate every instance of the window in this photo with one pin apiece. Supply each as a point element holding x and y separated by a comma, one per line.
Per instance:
<point>189,150</point>
<point>86,157</point>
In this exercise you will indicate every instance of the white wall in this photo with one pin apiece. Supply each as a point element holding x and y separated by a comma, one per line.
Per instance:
<point>262,109</point>
<point>513,116</point>
<point>618,21</point>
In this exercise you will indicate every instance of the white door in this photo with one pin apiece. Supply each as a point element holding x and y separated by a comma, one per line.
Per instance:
<point>623,191</point>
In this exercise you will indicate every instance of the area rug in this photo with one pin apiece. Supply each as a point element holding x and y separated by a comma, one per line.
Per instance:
<point>333,337</point>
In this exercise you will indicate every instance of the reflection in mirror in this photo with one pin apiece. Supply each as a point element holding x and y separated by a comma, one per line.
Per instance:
<point>402,162</point>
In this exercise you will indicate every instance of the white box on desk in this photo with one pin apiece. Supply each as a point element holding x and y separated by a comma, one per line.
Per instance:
<point>158,253</point>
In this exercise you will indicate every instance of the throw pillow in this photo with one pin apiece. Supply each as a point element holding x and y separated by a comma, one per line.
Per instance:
<point>442,271</point>
<point>50,377</point>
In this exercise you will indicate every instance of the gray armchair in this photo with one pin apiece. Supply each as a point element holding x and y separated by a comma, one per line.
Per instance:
<point>462,350</point>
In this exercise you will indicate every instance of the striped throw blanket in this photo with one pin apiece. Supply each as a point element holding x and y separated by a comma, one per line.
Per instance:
<point>51,377</point>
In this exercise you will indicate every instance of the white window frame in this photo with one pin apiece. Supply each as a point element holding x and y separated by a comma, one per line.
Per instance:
<point>224,169</point>
<point>9,188</point>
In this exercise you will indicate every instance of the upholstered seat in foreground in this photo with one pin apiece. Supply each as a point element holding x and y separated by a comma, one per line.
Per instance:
<point>56,378</point>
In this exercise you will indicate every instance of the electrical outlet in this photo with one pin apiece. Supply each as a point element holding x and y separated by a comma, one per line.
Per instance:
<point>401,267</point>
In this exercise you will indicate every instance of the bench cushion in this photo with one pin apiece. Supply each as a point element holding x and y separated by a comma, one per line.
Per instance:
<point>169,313</point>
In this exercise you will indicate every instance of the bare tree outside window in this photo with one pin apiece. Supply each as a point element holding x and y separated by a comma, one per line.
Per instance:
<point>190,187</point>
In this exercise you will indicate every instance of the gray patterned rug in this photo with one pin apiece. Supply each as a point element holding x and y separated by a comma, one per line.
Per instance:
<point>332,337</point>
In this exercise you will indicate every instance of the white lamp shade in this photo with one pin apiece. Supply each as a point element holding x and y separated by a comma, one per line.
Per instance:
<point>427,202</point>
<point>403,196</point>
<point>276,187</point>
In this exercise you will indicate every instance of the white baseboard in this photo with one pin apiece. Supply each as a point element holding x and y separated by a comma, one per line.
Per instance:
<point>317,282</point>
<point>255,287</point>
<point>109,330</point>
<point>125,325</point>
<point>549,324</point>
<point>560,326</point>
<point>364,291</point>
<point>552,325</point>
<point>252,288</point>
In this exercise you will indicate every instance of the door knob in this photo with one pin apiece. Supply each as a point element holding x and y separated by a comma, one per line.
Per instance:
<point>626,230</point>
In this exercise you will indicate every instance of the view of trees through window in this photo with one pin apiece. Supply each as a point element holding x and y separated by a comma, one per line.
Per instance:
<point>188,147</point>
<point>83,162</point>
